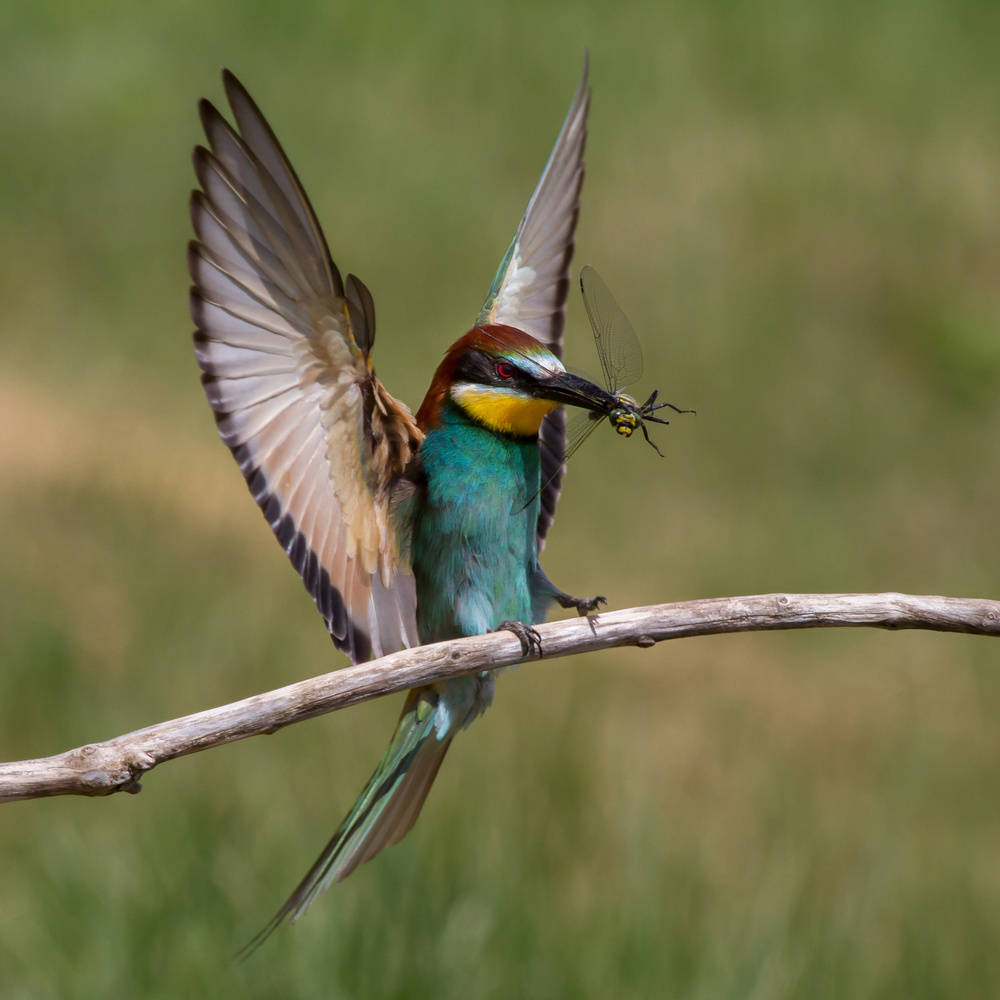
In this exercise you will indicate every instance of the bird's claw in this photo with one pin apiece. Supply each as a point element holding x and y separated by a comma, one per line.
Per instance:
<point>529,638</point>
<point>588,605</point>
<point>585,606</point>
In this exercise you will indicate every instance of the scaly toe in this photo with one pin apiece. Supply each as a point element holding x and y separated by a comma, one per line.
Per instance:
<point>586,606</point>
<point>529,638</point>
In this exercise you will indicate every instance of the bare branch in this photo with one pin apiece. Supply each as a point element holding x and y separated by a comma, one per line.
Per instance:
<point>116,764</point>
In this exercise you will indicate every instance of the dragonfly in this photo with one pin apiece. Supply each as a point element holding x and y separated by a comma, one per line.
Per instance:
<point>621,364</point>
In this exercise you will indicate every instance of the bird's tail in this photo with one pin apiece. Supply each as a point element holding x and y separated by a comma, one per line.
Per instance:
<point>384,812</point>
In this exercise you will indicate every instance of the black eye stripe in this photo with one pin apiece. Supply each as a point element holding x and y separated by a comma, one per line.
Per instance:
<point>480,368</point>
<point>521,374</point>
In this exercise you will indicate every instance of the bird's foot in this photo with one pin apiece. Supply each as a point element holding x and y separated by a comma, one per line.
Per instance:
<point>584,605</point>
<point>529,638</point>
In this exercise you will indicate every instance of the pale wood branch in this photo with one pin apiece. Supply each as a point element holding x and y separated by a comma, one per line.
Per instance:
<point>116,764</point>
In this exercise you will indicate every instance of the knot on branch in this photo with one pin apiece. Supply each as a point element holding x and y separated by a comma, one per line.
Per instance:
<point>104,770</point>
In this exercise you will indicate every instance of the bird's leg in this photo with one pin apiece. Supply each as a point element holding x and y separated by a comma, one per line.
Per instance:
<point>529,638</point>
<point>584,605</point>
<point>545,588</point>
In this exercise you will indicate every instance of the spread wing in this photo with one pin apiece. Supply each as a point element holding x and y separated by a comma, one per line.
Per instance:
<point>530,288</point>
<point>285,345</point>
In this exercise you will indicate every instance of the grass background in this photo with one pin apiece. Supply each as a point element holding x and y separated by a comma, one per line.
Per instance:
<point>798,205</point>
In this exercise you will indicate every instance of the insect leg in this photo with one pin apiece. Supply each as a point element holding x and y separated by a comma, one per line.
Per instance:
<point>659,406</point>
<point>645,434</point>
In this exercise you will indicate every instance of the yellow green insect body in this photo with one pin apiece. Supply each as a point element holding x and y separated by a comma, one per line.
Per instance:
<point>625,417</point>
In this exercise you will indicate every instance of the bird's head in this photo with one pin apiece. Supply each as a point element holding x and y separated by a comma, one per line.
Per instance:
<point>507,381</point>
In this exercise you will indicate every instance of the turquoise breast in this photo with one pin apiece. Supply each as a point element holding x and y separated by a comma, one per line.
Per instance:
<point>473,545</point>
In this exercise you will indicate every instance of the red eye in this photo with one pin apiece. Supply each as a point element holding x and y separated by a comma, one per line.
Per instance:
<point>505,370</point>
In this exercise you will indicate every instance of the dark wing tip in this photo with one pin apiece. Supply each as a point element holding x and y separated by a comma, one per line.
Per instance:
<point>552,450</point>
<point>195,254</point>
<point>200,158</point>
<point>205,164</point>
<point>196,305</point>
<point>362,313</point>
<point>232,86</point>
<point>196,205</point>
<point>208,113</point>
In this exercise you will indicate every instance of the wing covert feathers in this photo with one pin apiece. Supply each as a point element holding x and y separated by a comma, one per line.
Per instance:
<point>285,352</point>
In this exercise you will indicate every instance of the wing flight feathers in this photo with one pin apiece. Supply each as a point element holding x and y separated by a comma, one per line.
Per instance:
<point>284,349</point>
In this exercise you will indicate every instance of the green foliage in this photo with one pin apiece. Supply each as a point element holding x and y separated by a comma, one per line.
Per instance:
<point>797,204</point>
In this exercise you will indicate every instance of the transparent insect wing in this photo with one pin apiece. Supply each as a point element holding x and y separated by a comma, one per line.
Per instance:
<point>617,344</point>
<point>620,355</point>
<point>580,428</point>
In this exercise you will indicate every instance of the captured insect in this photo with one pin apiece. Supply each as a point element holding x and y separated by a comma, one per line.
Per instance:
<point>621,364</point>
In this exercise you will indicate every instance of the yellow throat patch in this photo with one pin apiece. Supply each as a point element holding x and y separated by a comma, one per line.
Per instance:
<point>502,410</point>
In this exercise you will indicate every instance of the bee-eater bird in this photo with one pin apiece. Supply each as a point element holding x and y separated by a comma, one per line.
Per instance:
<point>405,531</point>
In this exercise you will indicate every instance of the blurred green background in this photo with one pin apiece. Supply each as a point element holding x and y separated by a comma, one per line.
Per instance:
<point>798,205</point>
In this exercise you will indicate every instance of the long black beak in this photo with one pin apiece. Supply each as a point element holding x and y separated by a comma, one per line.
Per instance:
<point>574,391</point>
